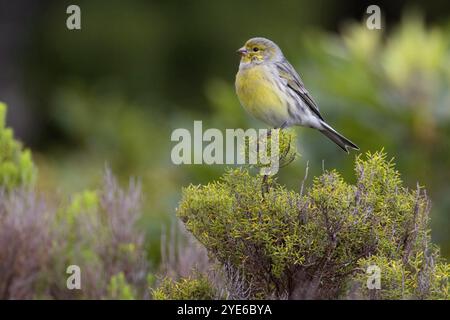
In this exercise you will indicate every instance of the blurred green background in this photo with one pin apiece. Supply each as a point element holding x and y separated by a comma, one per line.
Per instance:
<point>111,93</point>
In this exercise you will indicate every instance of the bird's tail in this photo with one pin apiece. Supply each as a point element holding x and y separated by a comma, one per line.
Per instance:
<point>337,138</point>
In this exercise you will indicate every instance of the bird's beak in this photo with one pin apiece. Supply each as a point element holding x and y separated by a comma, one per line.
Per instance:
<point>242,51</point>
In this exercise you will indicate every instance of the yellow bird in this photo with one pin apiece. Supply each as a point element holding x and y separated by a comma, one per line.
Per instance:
<point>270,89</point>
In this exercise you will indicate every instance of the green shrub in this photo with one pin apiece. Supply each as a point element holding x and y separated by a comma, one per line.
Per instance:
<point>198,288</point>
<point>16,167</point>
<point>289,245</point>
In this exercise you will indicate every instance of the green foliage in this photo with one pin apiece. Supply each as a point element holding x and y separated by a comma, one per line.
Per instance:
<point>420,278</point>
<point>394,95</point>
<point>16,166</point>
<point>101,237</point>
<point>86,201</point>
<point>79,221</point>
<point>119,288</point>
<point>198,288</point>
<point>310,246</point>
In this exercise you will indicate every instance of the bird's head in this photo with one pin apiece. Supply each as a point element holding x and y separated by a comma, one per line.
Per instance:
<point>259,50</point>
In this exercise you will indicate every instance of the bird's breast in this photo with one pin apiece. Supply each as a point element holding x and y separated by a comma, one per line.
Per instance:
<point>260,96</point>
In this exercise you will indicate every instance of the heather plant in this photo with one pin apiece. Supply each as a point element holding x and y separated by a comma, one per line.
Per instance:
<point>100,235</point>
<point>96,231</point>
<point>287,244</point>
<point>25,243</point>
<point>24,219</point>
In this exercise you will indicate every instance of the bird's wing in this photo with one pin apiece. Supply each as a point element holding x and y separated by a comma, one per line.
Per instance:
<point>293,81</point>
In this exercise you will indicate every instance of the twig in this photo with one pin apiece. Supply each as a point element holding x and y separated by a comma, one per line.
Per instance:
<point>304,178</point>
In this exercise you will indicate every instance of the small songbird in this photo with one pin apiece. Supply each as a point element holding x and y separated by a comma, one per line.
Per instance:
<point>271,90</point>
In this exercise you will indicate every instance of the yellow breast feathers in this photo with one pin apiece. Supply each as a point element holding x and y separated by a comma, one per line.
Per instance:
<point>260,96</point>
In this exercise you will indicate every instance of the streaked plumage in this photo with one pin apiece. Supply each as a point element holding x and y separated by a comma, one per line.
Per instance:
<point>270,89</point>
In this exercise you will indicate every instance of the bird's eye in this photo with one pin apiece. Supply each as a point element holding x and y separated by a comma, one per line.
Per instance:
<point>255,49</point>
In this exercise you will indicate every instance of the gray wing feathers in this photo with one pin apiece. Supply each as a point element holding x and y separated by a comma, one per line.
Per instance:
<point>294,82</point>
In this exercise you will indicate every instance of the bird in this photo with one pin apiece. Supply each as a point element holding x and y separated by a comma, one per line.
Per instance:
<point>270,90</point>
